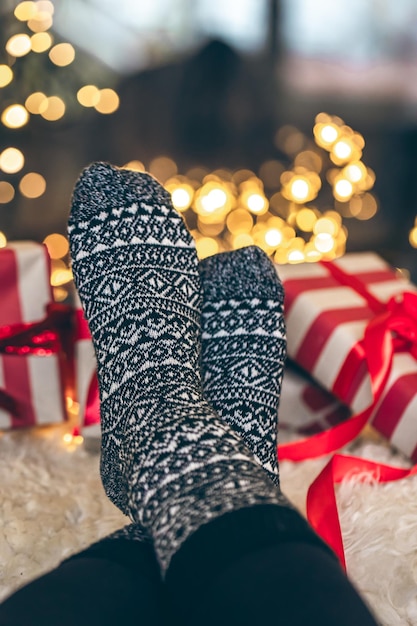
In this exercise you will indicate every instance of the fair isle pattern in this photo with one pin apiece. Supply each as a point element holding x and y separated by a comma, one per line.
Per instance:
<point>167,459</point>
<point>244,347</point>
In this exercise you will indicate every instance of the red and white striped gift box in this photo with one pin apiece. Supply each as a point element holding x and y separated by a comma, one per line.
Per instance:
<point>32,381</point>
<point>328,306</point>
<point>86,378</point>
<point>305,407</point>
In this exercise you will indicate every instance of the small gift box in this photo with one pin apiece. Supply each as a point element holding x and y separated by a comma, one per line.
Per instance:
<point>352,324</point>
<point>33,365</point>
<point>305,407</point>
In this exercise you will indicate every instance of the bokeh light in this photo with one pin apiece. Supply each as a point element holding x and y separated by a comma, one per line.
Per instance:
<point>15,116</point>
<point>40,42</point>
<point>62,54</point>
<point>6,75</point>
<point>54,109</point>
<point>32,185</point>
<point>57,246</point>
<point>19,45</point>
<point>36,102</point>
<point>7,192</point>
<point>88,96</point>
<point>3,240</point>
<point>11,160</point>
<point>108,101</point>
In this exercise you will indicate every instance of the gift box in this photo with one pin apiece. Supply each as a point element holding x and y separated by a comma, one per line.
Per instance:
<point>305,407</point>
<point>87,393</point>
<point>352,324</point>
<point>33,364</point>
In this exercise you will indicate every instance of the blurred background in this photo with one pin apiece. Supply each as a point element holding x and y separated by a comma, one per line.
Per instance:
<point>288,123</point>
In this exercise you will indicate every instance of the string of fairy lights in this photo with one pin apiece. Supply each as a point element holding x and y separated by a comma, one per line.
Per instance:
<point>33,21</point>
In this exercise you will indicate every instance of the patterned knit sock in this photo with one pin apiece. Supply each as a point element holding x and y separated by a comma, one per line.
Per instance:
<point>167,458</point>
<point>244,347</point>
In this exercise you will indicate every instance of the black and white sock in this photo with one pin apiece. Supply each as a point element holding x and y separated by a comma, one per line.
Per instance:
<point>167,458</point>
<point>244,347</point>
<point>243,351</point>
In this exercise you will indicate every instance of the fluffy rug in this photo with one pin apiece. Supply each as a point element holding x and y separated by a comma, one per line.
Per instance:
<point>53,505</point>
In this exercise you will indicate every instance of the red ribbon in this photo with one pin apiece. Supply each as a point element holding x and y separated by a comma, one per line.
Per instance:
<point>92,407</point>
<point>394,329</point>
<point>51,335</point>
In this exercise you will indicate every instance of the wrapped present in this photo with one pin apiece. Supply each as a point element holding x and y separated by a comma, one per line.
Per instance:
<point>305,407</point>
<point>33,363</point>
<point>86,379</point>
<point>352,324</point>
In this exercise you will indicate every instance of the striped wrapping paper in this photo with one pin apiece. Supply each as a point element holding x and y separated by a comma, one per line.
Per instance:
<point>33,382</point>
<point>305,407</point>
<point>327,313</point>
<point>85,376</point>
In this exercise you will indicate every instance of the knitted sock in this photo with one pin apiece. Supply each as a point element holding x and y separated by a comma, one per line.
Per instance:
<point>244,347</point>
<point>167,458</point>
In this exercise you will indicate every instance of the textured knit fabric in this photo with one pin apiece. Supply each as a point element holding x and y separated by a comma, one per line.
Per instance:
<point>167,458</point>
<point>244,347</point>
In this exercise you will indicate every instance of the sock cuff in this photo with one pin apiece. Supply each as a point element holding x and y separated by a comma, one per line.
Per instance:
<point>218,544</point>
<point>242,274</point>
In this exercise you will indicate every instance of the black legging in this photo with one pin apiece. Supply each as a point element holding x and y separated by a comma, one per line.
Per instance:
<point>214,579</point>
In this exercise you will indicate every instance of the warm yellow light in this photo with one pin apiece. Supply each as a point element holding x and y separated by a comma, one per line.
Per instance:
<point>163,168</point>
<point>343,190</point>
<point>135,166</point>
<point>329,133</point>
<point>182,197</point>
<point>206,246</point>
<point>88,96</point>
<point>57,245</point>
<point>369,207</point>
<point>242,240</point>
<point>40,22</point>
<point>32,185</point>
<point>239,221</point>
<point>18,45</point>
<point>62,54</point>
<point>11,160</point>
<point>300,189</point>
<point>67,438</point>
<point>108,102</point>
<point>305,219</point>
<point>311,254</point>
<point>213,200</point>
<point>61,277</point>
<point>256,203</point>
<point>324,242</point>
<point>295,256</point>
<point>40,42</point>
<point>36,102</point>
<point>273,237</point>
<point>25,10</point>
<point>45,5</point>
<point>355,172</point>
<point>342,150</point>
<point>326,225</point>
<point>413,237</point>
<point>15,116</point>
<point>6,192</point>
<point>6,75</point>
<point>3,240</point>
<point>54,110</point>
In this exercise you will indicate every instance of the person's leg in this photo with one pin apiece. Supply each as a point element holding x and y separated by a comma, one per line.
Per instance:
<point>115,581</point>
<point>167,458</point>
<point>242,362</point>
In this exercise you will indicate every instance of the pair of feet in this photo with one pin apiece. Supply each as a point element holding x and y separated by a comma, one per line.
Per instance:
<point>190,359</point>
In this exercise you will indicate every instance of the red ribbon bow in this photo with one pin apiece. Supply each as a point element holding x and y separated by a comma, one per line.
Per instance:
<point>51,335</point>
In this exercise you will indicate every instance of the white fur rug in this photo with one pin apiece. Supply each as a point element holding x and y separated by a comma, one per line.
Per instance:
<point>53,505</point>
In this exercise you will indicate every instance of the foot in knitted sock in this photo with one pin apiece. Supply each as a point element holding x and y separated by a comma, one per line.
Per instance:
<point>244,346</point>
<point>167,458</point>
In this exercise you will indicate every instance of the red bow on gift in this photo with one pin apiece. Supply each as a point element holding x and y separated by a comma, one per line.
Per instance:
<point>393,330</point>
<point>51,335</point>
